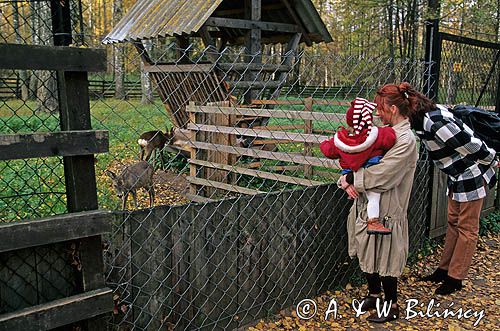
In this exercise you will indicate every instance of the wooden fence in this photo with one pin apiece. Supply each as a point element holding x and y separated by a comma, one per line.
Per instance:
<point>40,287</point>
<point>214,129</point>
<point>10,88</point>
<point>439,203</point>
<point>223,264</point>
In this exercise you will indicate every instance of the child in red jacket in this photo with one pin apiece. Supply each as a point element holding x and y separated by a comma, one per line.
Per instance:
<point>361,145</point>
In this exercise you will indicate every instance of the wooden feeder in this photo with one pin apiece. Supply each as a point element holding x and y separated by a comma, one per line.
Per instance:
<point>220,24</point>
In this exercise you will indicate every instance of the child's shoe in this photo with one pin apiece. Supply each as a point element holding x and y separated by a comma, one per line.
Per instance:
<point>375,227</point>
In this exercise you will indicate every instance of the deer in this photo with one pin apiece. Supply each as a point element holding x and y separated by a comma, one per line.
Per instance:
<point>151,140</point>
<point>172,140</point>
<point>133,177</point>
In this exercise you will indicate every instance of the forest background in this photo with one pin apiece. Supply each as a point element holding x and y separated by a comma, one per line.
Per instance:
<point>360,29</point>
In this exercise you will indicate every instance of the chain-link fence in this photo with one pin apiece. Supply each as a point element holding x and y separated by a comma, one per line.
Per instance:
<point>248,218</point>
<point>469,72</point>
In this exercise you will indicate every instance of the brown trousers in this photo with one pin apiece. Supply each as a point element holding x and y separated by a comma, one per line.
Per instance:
<point>461,237</point>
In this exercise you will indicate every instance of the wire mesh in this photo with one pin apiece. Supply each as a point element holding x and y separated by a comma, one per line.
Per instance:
<point>241,229</point>
<point>468,74</point>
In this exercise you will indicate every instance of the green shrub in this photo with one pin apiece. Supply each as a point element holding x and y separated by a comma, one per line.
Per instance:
<point>490,224</point>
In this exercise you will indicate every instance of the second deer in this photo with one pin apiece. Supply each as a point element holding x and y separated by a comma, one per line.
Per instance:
<point>133,177</point>
<point>172,140</point>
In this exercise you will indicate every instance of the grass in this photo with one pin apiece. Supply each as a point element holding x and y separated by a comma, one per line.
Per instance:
<point>35,187</point>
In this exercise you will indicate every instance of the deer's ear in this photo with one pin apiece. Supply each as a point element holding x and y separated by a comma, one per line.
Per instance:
<point>110,174</point>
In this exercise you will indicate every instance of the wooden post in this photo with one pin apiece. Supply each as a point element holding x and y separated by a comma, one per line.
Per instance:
<point>79,174</point>
<point>182,51</point>
<point>193,168</point>
<point>308,128</point>
<point>253,44</point>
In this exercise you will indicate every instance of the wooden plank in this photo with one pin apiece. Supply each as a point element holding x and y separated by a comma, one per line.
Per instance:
<point>284,168</point>
<point>290,114</point>
<point>281,135</point>
<point>46,144</point>
<point>266,67</point>
<point>298,21</point>
<point>332,175</point>
<point>17,235</point>
<point>186,68</point>
<point>260,142</point>
<point>250,24</point>
<point>277,102</point>
<point>253,84</point>
<point>241,10</point>
<point>439,219</point>
<point>308,129</point>
<point>194,171</point>
<point>198,198</point>
<point>150,266</point>
<point>222,186</point>
<point>79,172</point>
<point>18,289</point>
<point>34,57</point>
<point>250,244</point>
<point>280,127</point>
<point>54,271</point>
<point>213,265</point>
<point>79,175</point>
<point>59,312</point>
<point>258,173</point>
<point>286,157</point>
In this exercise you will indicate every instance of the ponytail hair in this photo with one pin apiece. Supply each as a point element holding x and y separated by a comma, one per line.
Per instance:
<point>410,102</point>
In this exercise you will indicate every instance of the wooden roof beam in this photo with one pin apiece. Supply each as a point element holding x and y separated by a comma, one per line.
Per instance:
<point>235,11</point>
<point>298,22</point>
<point>249,24</point>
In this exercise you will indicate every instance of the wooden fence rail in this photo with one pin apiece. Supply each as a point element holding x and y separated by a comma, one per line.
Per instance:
<point>209,152</point>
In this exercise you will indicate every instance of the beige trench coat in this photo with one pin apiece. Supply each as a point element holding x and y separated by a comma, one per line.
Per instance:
<point>393,177</point>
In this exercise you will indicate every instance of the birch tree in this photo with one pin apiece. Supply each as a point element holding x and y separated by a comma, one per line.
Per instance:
<point>118,56</point>
<point>47,89</point>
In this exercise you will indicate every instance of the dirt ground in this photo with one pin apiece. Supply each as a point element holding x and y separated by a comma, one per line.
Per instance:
<point>480,293</point>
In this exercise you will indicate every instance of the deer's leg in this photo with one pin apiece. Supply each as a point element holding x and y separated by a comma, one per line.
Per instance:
<point>134,196</point>
<point>141,157</point>
<point>151,192</point>
<point>124,201</point>
<point>148,154</point>
<point>162,160</point>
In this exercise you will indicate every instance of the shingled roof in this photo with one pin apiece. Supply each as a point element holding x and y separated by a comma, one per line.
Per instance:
<point>162,18</point>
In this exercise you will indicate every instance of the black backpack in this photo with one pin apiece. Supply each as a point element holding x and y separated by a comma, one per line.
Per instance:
<point>485,124</point>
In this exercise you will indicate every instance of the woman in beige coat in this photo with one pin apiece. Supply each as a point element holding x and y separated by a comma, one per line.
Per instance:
<point>382,258</point>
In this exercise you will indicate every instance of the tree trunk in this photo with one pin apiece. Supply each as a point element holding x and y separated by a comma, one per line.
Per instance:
<point>47,90</point>
<point>23,75</point>
<point>118,49</point>
<point>391,39</point>
<point>147,91</point>
<point>34,27</point>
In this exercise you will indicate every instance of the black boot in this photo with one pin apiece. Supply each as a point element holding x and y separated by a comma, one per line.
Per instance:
<point>437,276</point>
<point>393,314</point>
<point>370,302</point>
<point>450,285</point>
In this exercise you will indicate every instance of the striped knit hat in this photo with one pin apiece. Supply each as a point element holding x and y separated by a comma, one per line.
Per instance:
<point>360,115</point>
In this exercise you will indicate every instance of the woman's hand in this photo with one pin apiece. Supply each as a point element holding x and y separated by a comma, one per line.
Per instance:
<point>349,188</point>
<point>351,191</point>
<point>343,182</point>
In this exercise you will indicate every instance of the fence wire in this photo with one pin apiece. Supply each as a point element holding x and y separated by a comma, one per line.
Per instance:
<point>248,219</point>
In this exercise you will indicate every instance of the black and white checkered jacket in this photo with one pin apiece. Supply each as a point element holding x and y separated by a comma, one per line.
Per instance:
<point>467,161</point>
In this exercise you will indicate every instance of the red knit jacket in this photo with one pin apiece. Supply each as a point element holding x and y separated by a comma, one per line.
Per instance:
<point>354,151</point>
